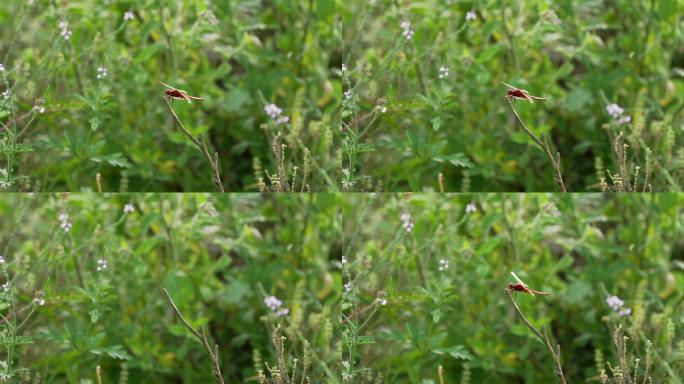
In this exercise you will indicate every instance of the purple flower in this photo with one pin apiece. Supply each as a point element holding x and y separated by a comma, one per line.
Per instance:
<point>614,110</point>
<point>615,303</point>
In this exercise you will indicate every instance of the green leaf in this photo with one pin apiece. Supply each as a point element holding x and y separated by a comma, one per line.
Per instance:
<point>436,316</point>
<point>488,53</point>
<point>456,159</point>
<point>235,291</point>
<point>488,246</point>
<point>114,351</point>
<point>456,351</point>
<point>146,54</point>
<point>95,123</point>
<point>180,288</point>
<point>667,9</point>
<point>114,159</point>
<point>236,99</point>
<point>578,99</point>
<point>436,123</point>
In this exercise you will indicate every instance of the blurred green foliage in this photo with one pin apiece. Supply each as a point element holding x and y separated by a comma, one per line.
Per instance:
<point>219,256</point>
<point>435,296</point>
<point>239,55</point>
<point>406,120</point>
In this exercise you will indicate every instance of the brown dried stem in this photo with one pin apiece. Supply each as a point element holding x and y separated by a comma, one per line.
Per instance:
<point>544,145</point>
<point>544,337</point>
<point>202,337</point>
<point>202,145</point>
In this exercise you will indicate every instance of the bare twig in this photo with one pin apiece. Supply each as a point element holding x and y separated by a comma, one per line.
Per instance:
<point>544,145</point>
<point>202,145</point>
<point>98,373</point>
<point>544,337</point>
<point>202,337</point>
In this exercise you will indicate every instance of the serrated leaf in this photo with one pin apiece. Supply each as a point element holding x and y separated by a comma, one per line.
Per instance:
<point>456,159</point>
<point>114,159</point>
<point>115,352</point>
<point>455,351</point>
<point>436,316</point>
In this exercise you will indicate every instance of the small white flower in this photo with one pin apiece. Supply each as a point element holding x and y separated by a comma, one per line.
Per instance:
<point>344,68</point>
<point>39,301</point>
<point>39,109</point>
<point>282,120</point>
<point>470,208</point>
<point>407,31</point>
<point>347,286</point>
<point>443,265</point>
<point>381,301</point>
<point>66,226</point>
<point>406,221</point>
<point>5,287</point>
<point>383,109</point>
<point>614,110</point>
<point>344,260</point>
<point>128,16</point>
<point>64,222</point>
<point>128,208</point>
<point>2,260</point>
<point>65,32</point>
<point>2,68</point>
<point>348,94</point>
<point>282,312</point>
<point>347,185</point>
<point>6,94</point>
<point>625,312</point>
<point>471,16</point>
<point>443,72</point>
<point>101,72</point>
<point>101,265</point>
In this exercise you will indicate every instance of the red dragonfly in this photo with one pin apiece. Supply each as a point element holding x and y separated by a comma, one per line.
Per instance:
<point>518,93</point>
<point>522,287</point>
<point>176,93</point>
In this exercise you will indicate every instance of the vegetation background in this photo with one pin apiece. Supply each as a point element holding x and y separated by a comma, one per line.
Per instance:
<point>424,94</point>
<point>425,276</point>
<point>85,290</point>
<point>81,93</point>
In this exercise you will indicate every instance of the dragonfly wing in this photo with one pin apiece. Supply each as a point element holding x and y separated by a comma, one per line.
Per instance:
<point>538,292</point>
<point>166,85</point>
<point>517,278</point>
<point>509,86</point>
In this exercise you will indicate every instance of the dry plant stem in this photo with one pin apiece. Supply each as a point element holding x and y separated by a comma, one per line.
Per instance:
<point>544,145</point>
<point>543,336</point>
<point>202,145</point>
<point>202,337</point>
